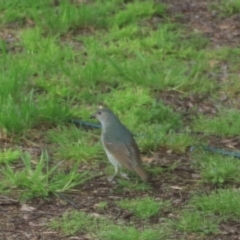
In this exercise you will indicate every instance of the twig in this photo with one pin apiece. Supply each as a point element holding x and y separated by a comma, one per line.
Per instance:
<point>118,214</point>
<point>64,197</point>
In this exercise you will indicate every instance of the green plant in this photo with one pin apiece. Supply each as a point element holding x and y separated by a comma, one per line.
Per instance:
<point>194,221</point>
<point>224,202</point>
<point>218,169</point>
<point>101,205</point>
<point>135,11</point>
<point>50,111</point>
<point>129,233</point>
<point>125,185</point>
<point>178,142</point>
<point>73,222</point>
<point>18,117</point>
<point>9,155</point>
<point>41,180</point>
<point>74,144</point>
<point>226,8</point>
<point>225,124</point>
<point>143,207</point>
<point>79,222</point>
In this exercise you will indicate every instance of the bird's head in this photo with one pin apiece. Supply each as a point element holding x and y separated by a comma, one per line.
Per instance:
<point>103,115</point>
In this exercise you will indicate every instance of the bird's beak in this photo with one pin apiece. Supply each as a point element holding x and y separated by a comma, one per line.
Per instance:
<point>93,116</point>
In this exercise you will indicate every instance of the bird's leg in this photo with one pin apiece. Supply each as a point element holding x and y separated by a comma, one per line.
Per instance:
<point>110,179</point>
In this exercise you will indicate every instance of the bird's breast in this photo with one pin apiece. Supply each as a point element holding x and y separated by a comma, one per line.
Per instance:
<point>111,158</point>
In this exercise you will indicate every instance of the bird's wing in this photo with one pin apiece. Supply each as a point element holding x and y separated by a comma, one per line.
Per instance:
<point>121,153</point>
<point>128,155</point>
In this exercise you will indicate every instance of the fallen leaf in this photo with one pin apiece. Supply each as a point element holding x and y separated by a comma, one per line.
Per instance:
<point>147,160</point>
<point>176,187</point>
<point>213,63</point>
<point>26,207</point>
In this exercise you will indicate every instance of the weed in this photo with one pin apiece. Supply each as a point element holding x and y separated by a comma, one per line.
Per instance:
<point>218,169</point>
<point>75,144</point>
<point>125,185</point>
<point>41,180</point>
<point>101,205</point>
<point>143,207</point>
<point>225,124</point>
<point>226,8</point>
<point>74,222</point>
<point>18,117</point>
<point>194,221</point>
<point>79,222</point>
<point>224,202</point>
<point>9,155</point>
<point>178,142</point>
<point>129,233</point>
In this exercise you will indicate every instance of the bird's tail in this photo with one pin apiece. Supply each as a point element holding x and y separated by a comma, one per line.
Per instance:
<point>141,172</point>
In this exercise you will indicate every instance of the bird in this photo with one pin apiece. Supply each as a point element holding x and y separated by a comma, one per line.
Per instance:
<point>119,144</point>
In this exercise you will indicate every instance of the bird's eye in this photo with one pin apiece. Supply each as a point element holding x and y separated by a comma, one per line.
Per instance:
<point>99,113</point>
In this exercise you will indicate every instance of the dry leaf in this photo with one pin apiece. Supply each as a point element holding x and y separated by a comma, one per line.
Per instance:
<point>26,207</point>
<point>176,187</point>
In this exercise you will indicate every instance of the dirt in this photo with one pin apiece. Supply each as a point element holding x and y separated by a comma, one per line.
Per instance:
<point>200,17</point>
<point>30,220</point>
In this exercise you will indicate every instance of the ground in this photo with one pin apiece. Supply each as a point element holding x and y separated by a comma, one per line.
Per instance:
<point>29,220</point>
<point>198,17</point>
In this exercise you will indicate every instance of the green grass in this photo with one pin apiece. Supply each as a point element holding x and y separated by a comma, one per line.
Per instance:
<point>65,58</point>
<point>225,124</point>
<point>226,8</point>
<point>179,142</point>
<point>74,222</point>
<point>143,208</point>
<point>40,179</point>
<point>218,169</point>
<point>194,221</point>
<point>129,186</point>
<point>68,16</point>
<point>74,144</point>
<point>224,202</point>
<point>128,233</point>
<point>207,211</point>
<point>9,155</point>
<point>101,205</point>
